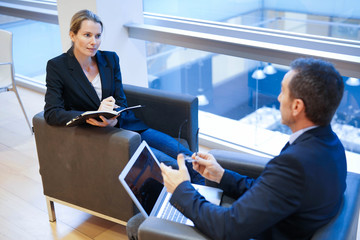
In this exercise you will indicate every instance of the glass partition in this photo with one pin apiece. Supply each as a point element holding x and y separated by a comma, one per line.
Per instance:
<point>34,43</point>
<point>238,97</point>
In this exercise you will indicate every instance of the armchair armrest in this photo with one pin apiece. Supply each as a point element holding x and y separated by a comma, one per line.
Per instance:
<point>160,229</point>
<point>166,111</point>
<point>80,166</point>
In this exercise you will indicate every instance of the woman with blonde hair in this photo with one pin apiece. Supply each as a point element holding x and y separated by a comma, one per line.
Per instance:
<point>87,79</point>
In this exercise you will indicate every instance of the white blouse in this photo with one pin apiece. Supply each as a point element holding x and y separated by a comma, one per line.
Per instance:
<point>97,85</point>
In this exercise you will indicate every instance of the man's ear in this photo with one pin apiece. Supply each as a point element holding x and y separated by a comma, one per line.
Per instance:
<point>297,107</point>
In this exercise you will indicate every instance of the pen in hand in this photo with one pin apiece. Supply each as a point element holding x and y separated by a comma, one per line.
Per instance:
<point>190,159</point>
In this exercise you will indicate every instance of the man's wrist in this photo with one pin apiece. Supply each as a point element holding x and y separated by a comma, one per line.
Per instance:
<point>178,191</point>
<point>221,174</point>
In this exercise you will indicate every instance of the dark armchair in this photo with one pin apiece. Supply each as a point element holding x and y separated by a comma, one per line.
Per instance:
<point>343,226</point>
<point>79,166</point>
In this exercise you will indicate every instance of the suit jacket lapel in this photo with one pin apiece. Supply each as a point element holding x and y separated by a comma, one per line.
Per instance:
<point>308,134</point>
<point>318,131</point>
<point>105,75</point>
<point>80,77</point>
<point>285,147</point>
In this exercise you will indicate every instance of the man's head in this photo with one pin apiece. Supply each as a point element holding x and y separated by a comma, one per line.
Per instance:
<point>313,88</point>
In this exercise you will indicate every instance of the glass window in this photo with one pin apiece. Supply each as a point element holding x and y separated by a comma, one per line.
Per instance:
<point>238,97</point>
<point>338,19</point>
<point>30,57</point>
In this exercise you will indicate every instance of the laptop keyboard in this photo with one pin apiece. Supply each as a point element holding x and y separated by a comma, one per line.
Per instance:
<point>172,214</point>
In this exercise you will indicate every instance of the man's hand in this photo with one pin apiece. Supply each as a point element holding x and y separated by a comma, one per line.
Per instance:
<point>208,167</point>
<point>173,178</point>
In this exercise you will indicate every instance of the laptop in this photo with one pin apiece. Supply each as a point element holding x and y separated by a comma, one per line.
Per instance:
<point>142,179</point>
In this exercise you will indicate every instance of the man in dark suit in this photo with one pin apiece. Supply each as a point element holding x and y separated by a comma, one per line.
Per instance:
<point>299,191</point>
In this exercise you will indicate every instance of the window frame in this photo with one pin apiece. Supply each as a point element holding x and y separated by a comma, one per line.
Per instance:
<point>260,44</point>
<point>29,9</point>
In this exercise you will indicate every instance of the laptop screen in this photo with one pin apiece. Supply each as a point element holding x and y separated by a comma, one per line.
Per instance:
<point>145,180</point>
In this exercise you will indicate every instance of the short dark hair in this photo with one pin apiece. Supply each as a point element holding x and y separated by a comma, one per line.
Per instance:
<point>82,15</point>
<point>319,85</point>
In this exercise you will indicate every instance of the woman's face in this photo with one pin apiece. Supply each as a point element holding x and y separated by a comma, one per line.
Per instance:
<point>87,40</point>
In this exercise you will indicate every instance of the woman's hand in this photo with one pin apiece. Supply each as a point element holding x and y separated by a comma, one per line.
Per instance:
<point>107,104</point>
<point>111,122</point>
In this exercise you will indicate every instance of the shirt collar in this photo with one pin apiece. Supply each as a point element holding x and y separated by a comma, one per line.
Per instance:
<point>297,134</point>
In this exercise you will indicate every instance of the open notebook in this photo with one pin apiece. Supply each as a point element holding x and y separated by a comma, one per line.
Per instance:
<point>142,179</point>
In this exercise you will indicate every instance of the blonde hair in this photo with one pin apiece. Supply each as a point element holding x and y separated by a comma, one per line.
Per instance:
<point>80,16</point>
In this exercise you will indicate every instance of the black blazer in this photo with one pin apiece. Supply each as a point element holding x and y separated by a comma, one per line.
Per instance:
<point>69,93</point>
<point>298,192</point>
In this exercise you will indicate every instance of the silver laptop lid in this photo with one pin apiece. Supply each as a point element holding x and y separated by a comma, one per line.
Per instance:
<point>142,179</point>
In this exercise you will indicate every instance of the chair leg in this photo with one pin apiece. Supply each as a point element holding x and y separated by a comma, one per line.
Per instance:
<point>22,108</point>
<point>51,210</point>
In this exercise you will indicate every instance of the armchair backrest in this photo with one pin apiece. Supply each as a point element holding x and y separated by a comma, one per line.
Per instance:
<point>345,224</point>
<point>6,59</point>
<point>166,112</point>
